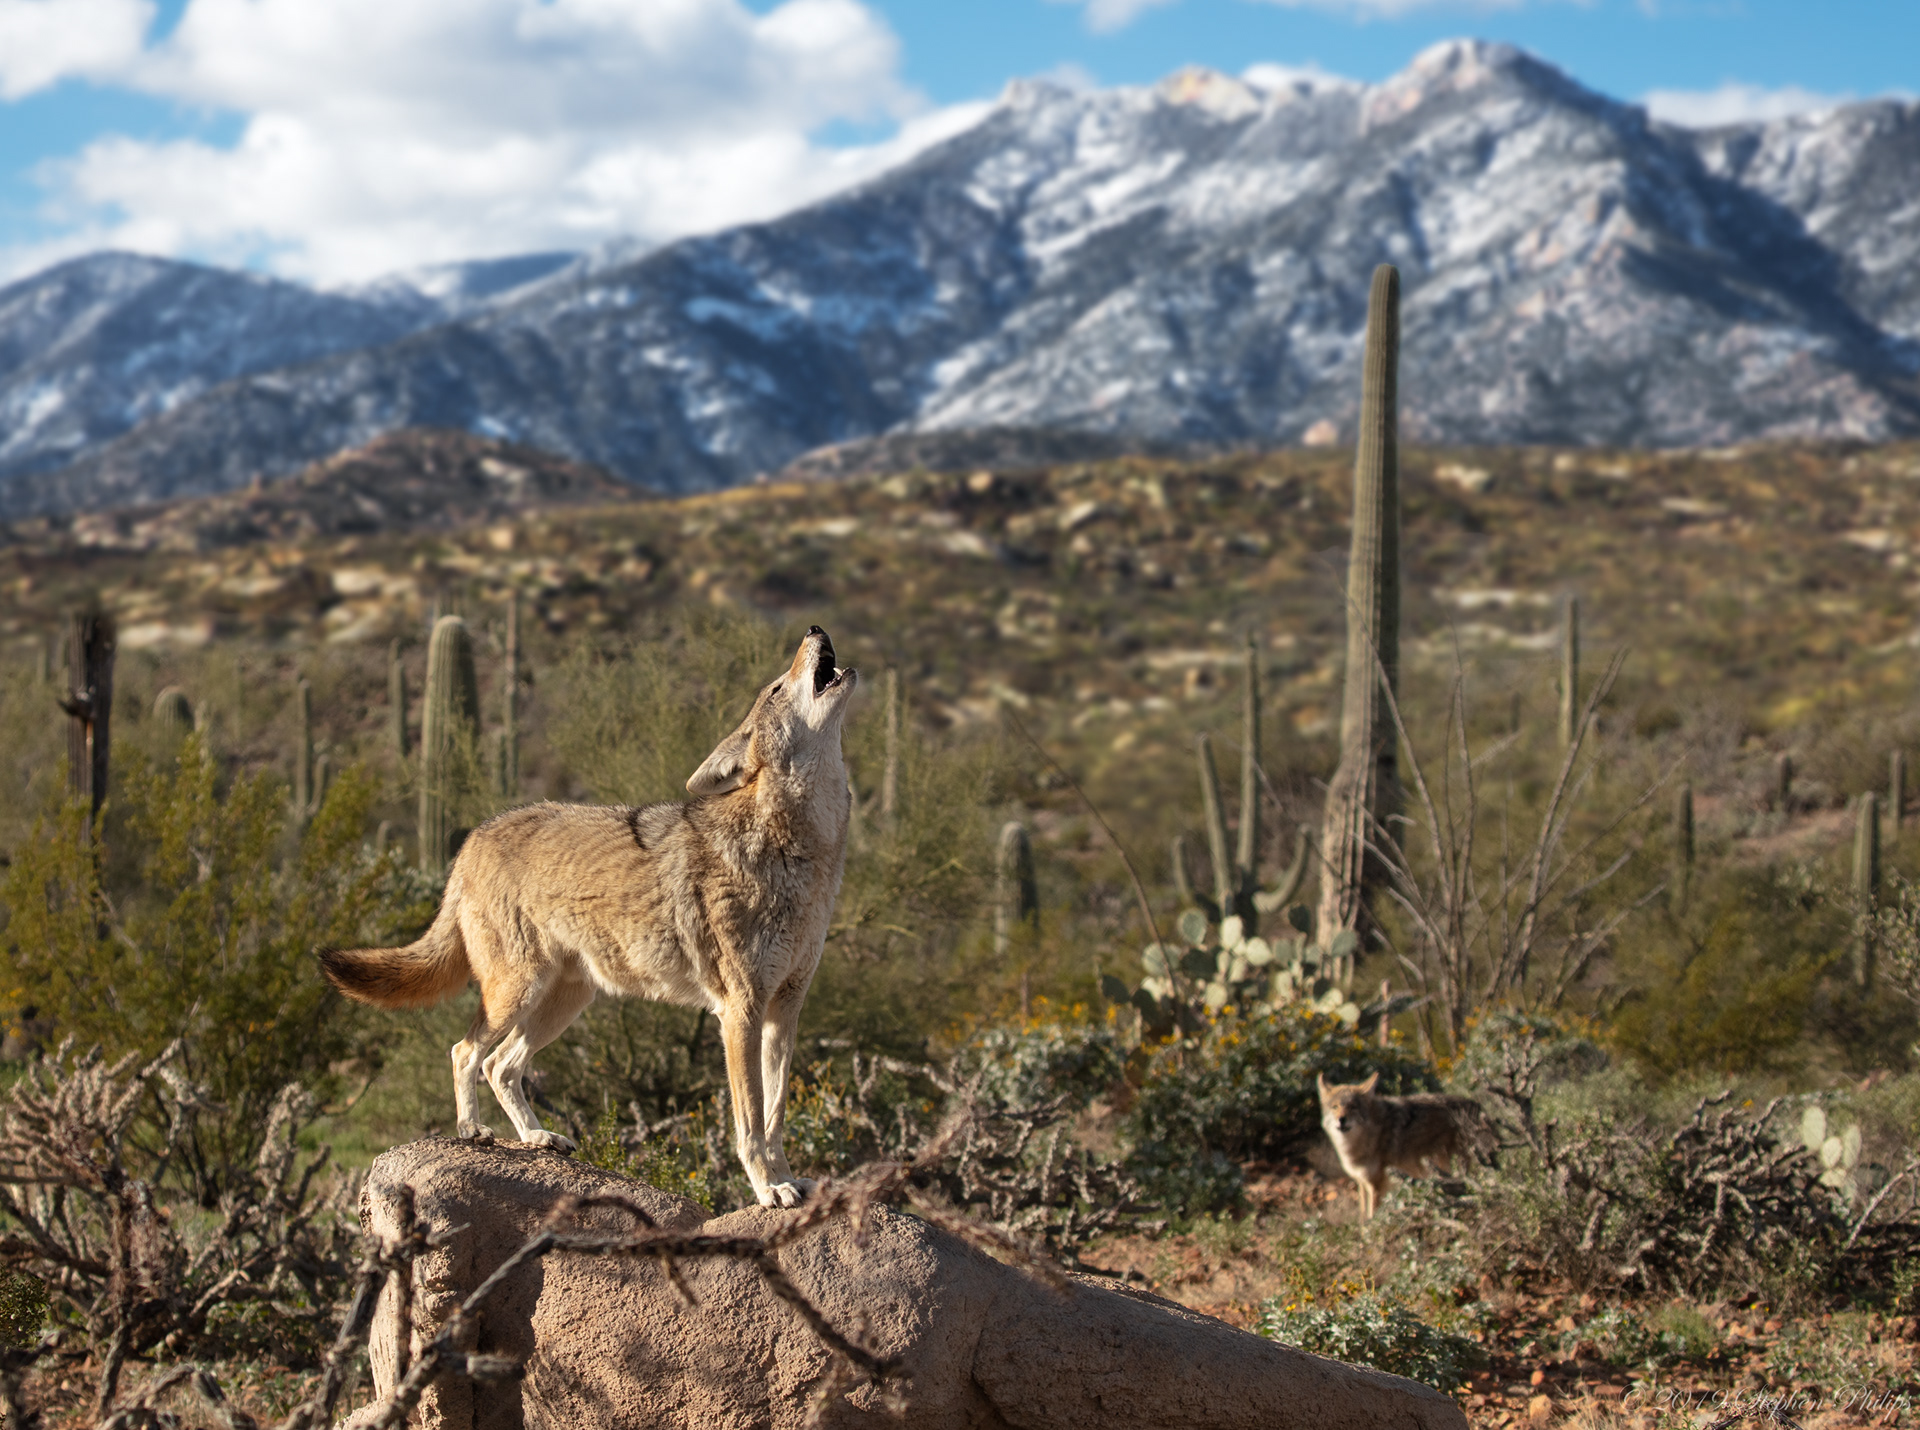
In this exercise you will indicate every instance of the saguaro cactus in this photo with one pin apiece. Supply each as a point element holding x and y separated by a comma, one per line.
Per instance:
<point>1223,881</point>
<point>890,771</point>
<point>510,703</point>
<point>1783,785</point>
<point>304,802</point>
<point>1866,882</point>
<point>397,699</point>
<point>89,707</point>
<point>173,713</point>
<point>1896,789</point>
<point>1364,792</point>
<point>1237,888</point>
<point>449,735</point>
<point>1682,848</point>
<point>1016,898</point>
<point>1246,859</point>
<point>1570,672</point>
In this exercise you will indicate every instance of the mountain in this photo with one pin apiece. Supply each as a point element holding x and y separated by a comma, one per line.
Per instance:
<point>97,345</point>
<point>1183,264</point>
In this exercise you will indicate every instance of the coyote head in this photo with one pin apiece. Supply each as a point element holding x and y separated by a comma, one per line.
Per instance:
<point>795,722</point>
<point>1341,1103</point>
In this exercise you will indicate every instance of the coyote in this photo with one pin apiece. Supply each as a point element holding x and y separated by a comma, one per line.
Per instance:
<point>720,903</point>
<point>1373,1133</point>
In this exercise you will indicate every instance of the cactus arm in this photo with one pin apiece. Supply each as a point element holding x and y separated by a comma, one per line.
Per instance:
<point>1216,823</point>
<point>1247,857</point>
<point>1282,893</point>
<point>1183,889</point>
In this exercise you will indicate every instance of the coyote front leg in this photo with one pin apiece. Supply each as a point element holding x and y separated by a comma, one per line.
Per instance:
<point>778,1031</point>
<point>741,1027</point>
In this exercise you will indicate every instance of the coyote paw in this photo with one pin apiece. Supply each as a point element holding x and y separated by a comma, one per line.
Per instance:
<point>549,1139</point>
<point>476,1132</point>
<point>790,1193</point>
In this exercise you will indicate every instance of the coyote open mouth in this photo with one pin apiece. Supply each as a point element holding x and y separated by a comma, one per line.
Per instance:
<point>825,674</point>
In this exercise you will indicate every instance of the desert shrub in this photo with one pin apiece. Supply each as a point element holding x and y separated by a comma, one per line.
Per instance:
<point>1729,989</point>
<point>1368,1329</point>
<point>1244,1088</point>
<point>1640,1340</point>
<point>1047,1058</point>
<point>203,926</point>
<point>23,1307</point>
<point>1590,1181</point>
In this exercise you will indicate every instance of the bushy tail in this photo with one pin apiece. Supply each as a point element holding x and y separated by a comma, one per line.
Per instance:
<point>423,972</point>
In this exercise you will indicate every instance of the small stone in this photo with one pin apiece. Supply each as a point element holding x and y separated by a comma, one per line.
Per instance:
<point>1539,1377</point>
<point>1539,1409</point>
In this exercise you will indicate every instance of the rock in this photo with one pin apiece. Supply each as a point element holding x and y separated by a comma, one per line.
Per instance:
<point>607,1343</point>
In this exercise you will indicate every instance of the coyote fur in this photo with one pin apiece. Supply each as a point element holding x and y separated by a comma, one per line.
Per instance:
<point>721,903</point>
<point>1374,1133</point>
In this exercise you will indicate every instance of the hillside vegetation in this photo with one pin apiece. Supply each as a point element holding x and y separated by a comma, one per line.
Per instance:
<point>1059,637</point>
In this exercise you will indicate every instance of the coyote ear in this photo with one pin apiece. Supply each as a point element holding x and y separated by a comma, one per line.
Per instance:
<point>725,768</point>
<point>1371,1083</point>
<point>1322,1079</point>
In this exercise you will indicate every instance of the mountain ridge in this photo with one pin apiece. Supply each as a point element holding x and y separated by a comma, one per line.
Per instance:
<point>1179,264</point>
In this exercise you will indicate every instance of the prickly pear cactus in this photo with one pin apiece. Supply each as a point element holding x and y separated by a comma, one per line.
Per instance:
<point>1211,969</point>
<point>1838,1150</point>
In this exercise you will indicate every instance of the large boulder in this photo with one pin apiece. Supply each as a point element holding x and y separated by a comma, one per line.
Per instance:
<point>607,1342</point>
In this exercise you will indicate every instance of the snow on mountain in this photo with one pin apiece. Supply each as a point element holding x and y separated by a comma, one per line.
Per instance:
<point>97,345</point>
<point>1186,262</point>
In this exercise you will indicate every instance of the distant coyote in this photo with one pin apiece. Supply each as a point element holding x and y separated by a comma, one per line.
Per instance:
<point>1373,1133</point>
<point>719,903</point>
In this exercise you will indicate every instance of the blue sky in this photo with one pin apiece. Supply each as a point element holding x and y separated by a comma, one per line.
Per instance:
<point>333,140</point>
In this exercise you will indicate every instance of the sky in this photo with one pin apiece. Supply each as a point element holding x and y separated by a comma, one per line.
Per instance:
<point>334,141</point>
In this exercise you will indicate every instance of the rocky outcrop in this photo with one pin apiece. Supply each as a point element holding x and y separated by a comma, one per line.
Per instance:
<point>606,1342</point>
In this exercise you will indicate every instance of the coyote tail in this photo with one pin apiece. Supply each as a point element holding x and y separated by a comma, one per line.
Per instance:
<point>423,972</point>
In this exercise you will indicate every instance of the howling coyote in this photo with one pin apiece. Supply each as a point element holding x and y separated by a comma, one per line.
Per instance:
<point>719,903</point>
<point>1374,1134</point>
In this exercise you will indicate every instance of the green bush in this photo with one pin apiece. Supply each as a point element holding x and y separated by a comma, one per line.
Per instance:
<point>23,1307</point>
<point>1244,1088</point>
<point>1641,1341</point>
<point>1370,1330</point>
<point>202,925</point>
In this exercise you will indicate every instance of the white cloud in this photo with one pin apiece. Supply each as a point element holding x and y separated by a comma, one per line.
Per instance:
<point>383,134</point>
<point>45,41</point>
<point>1103,17</point>
<point>1735,103</point>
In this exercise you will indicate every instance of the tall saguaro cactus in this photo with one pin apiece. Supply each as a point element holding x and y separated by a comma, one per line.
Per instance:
<point>397,699</point>
<point>1866,882</point>
<point>1896,790</point>
<point>1246,858</point>
<point>1364,791</point>
<point>89,707</point>
<point>304,802</point>
<point>1016,899</point>
<point>173,713</point>
<point>1682,849</point>
<point>890,771</point>
<point>1570,673</point>
<point>510,703</point>
<point>449,737</point>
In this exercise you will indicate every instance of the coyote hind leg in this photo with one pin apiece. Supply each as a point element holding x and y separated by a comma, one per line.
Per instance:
<point>468,1054</point>
<point>544,1016</point>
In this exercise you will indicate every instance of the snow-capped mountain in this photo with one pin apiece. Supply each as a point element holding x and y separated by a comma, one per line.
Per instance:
<point>1187,263</point>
